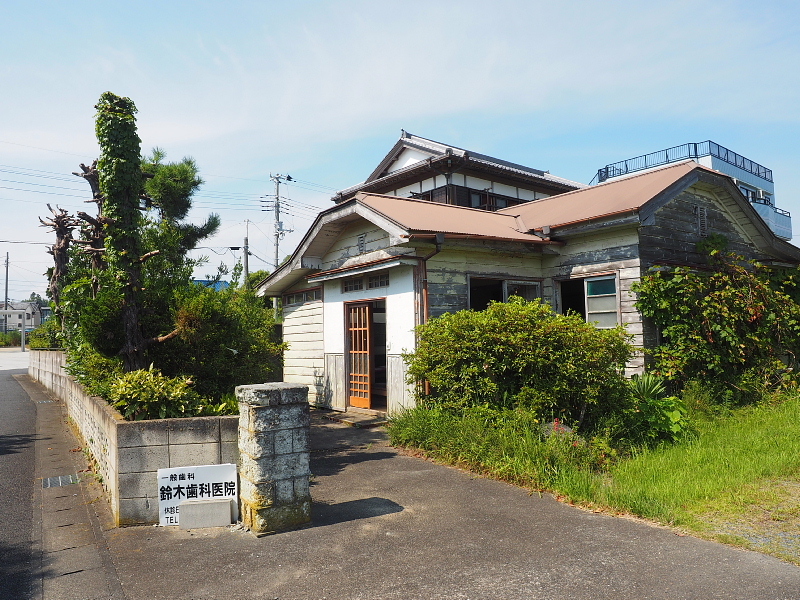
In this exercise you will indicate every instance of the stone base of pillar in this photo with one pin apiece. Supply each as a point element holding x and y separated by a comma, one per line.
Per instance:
<point>263,521</point>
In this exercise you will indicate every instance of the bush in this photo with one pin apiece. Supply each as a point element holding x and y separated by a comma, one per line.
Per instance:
<point>147,394</point>
<point>507,444</point>
<point>46,335</point>
<point>522,354</point>
<point>91,369</point>
<point>10,338</point>
<point>227,338</point>
<point>654,416</point>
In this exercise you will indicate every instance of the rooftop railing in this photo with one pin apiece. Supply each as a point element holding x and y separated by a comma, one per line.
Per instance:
<point>682,152</point>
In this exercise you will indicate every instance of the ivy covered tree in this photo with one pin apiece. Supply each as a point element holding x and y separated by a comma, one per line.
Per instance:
<point>127,299</point>
<point>120,178</point>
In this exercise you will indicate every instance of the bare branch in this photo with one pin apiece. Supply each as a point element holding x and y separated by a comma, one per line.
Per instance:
<point>144,257</point>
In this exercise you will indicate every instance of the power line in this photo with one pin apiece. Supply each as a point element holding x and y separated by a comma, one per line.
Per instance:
<point>19,242</point>
<point>38,148</point>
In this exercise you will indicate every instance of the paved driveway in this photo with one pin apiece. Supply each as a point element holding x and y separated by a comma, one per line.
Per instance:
<point>393,526</point>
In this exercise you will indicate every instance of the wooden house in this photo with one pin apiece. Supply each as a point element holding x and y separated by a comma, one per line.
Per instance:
<point>476,230</point>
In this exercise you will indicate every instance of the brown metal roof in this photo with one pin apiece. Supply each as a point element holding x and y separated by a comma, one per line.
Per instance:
<point>423,216</point>
<point>610,198</point>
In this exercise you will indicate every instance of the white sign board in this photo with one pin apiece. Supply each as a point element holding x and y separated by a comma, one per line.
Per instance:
<point>208,482</point>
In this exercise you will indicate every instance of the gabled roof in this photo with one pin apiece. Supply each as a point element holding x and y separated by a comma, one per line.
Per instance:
<point>638,196</point>
<point>642,194</point>
<point>403,219</point>
<point>427,152</point>
<point>622,195</point>
<point>422,216</point>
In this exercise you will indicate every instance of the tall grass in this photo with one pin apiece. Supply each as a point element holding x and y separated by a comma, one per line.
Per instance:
<point>671,483</point>
<point>508,445</point>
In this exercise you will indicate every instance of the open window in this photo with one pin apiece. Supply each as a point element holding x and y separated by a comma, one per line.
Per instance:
<point>596,299</point>
<point>483,290</point>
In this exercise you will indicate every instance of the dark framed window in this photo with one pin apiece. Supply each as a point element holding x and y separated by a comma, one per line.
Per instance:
<point>596,299</point>
<point>353,284</point>
<point>378,280</point>
<point>302,296</point>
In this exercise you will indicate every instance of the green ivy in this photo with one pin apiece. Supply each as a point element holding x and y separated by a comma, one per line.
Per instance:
<point>733,326</point>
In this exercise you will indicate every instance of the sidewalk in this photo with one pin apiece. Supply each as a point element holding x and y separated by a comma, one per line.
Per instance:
<point>74,559</point>
<point>385,525</point>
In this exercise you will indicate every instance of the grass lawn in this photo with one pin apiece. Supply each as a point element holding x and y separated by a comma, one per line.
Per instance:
<point>736,481</point>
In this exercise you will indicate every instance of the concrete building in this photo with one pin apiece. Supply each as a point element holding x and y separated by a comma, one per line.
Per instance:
<point>754,180</point>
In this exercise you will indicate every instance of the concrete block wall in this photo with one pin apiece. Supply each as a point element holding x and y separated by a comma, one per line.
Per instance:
<point>129,453</point>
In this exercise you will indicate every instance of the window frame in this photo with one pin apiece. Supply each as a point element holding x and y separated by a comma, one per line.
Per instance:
<point>315,294</point>
<point>617,311</point>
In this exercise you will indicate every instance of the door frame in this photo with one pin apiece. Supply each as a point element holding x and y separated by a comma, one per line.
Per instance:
<point>348,373</point>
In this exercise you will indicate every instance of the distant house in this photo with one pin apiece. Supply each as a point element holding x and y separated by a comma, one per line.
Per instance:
<point>33,316</point>
<point>475,230</point>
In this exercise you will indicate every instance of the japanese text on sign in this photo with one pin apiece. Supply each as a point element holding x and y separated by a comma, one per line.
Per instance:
<point>205,482</point>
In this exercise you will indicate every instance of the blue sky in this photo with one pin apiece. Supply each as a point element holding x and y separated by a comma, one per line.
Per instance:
<point>320,90</point>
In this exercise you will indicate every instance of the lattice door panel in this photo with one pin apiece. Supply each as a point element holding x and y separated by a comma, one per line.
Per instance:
<point>359,322</point>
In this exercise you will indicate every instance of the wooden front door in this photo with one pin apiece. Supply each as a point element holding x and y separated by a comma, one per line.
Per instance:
<point>359,332</point>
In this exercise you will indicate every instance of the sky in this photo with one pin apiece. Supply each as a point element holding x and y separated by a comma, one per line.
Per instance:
<point>321,90</point>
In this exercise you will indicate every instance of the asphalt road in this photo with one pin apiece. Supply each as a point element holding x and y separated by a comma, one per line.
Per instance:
<point>17,464</point>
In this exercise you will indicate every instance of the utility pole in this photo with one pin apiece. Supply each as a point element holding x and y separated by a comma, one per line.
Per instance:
<point>279,230</point>
<point>5,300</point>
<point>246,253</point>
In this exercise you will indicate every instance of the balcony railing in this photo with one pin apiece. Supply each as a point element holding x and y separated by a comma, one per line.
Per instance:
<point>682,152</point>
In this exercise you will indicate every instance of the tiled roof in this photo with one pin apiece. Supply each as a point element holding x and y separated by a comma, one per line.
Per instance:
<point>439,151</point>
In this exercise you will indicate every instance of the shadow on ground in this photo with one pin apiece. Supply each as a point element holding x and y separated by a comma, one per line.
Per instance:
<point>18,573</point>
<point>16,443</point>
<point>323,465</point>
<point>323,514</point>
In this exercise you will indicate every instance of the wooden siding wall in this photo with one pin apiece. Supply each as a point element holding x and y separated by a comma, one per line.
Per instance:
<point>449,271</point>
<point>400,394</point>
<point>607,250</point>
<point>674,233</point>
<point>304,359</point>
<point>334,393</point>
<point>346,247</point>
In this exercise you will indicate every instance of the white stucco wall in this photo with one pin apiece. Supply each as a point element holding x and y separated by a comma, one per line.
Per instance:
<point>399,297</point>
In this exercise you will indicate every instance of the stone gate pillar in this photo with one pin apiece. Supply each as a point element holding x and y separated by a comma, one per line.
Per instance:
<point>274,422</point>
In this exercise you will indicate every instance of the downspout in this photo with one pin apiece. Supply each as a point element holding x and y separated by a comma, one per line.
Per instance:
<point>423,262</point>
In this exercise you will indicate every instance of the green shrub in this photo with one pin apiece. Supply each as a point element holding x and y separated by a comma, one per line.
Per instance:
<point>10,338</point>
<point>227,405</point>
<point>91,369</point>
<point>227,338</point>
<point>147,394</point>
<point>654,416</point>
<point>509,444</point>
<point>522,354</point>
<point>46,335</point>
